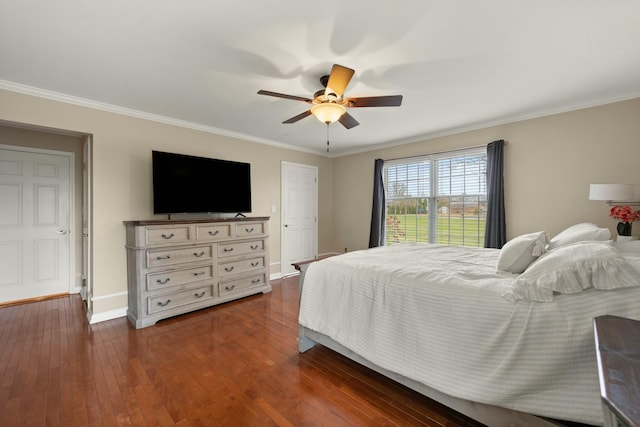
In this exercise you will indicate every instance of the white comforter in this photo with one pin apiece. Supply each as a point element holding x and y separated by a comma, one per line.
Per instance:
<point>436,314</point>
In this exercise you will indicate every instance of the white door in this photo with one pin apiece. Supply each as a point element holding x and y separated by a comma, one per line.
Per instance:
<point>299,214</point>
<point>34,224</point>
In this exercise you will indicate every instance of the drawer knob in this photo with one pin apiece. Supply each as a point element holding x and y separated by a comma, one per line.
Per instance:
<point>255,281</point>
<point>200,295</point>
<point>163,282</point>
<point>249,230</point>
<point>167,236</point>
<point>228,249</point>
<point>228,269</point>
<point>255,264</point>
<point>200,273</point>
<point>254,247</point>
<point>230,288</point>
<point>214,233</point>
<point>163,257</point>
<point>164,304</point>
<point>198,255</point>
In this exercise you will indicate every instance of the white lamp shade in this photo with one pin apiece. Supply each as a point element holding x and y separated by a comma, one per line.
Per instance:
<point>611,192</point>
<point>328,112</point>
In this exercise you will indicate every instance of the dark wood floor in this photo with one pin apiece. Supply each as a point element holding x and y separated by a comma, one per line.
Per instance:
<point>232,365</point>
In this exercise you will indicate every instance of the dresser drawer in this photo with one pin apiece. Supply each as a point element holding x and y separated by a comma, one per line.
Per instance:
<point>164,257</point>
<point>246,229</point>
<point>176,266</point>
<point>178,277</point>
<point>168,301</point>
<point>213,232</point>
<point>242,266</point>
<point>167,234</point>
<point>240,248</point>
<point>241,284</point>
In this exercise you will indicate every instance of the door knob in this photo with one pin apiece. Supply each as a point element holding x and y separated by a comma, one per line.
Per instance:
<point>62,232</point>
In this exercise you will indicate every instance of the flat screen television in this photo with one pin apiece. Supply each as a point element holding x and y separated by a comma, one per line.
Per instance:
<point>190,184</point>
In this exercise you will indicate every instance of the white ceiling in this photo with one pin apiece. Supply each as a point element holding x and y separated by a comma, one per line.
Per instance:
<point>459,64</point>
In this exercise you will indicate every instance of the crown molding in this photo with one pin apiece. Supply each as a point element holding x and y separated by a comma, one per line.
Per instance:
<point>83,102</point>
<point>88,103</point>
<point>491,123</point>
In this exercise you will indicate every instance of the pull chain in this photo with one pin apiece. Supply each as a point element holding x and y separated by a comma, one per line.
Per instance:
<point>327,136</point>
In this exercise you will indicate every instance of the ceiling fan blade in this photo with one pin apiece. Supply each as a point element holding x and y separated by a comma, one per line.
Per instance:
<point>284,95</point>
<point>348,121</point>
<point>375,101</point>
<point>338,80</point>
<point>298,117</point>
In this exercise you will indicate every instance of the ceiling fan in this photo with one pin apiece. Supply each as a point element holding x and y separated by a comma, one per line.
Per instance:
<point>328,105</point>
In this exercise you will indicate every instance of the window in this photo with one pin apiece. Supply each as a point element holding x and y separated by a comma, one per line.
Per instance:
<point>440,198</point>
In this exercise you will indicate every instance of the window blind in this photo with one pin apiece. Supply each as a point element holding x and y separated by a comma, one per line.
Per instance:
<point>438,198</point>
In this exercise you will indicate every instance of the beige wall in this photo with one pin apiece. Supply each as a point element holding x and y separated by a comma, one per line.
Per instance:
<point>122,177</point>
<point>549,164</point>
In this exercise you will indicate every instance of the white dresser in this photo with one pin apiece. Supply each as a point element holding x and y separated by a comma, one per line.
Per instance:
<point>179,266</point>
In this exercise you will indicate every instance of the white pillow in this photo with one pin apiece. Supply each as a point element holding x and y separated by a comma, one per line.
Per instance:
<point>574,268</point>
<point>516,255</point>
<point>579,233</point>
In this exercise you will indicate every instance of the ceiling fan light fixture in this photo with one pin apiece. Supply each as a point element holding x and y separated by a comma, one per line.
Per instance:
<point>328,112</point>
<point>329,105</point>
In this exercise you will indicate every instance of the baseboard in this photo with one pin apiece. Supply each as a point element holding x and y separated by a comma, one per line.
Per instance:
<point>275,276</point>
<point>34,299</point>
<point>328,254</point>
<point>107,315</point>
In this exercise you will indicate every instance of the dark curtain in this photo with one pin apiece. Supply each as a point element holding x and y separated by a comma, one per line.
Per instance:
<point>376,237</point>
<point>495,235</point>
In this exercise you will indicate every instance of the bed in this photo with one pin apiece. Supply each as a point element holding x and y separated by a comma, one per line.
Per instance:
<point>503,336</point>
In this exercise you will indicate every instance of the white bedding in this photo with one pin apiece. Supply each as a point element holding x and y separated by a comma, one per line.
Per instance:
<point>436,314</point>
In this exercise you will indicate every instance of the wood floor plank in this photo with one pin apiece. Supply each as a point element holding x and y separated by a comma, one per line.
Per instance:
<point>235,364</point>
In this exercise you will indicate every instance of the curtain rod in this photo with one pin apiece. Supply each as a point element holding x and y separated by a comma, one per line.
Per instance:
<point>447,151</point>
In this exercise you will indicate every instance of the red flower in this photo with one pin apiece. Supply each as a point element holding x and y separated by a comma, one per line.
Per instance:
<point>624,213</point>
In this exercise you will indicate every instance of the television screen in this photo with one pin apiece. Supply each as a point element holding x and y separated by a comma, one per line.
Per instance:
<point>190,184</point>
